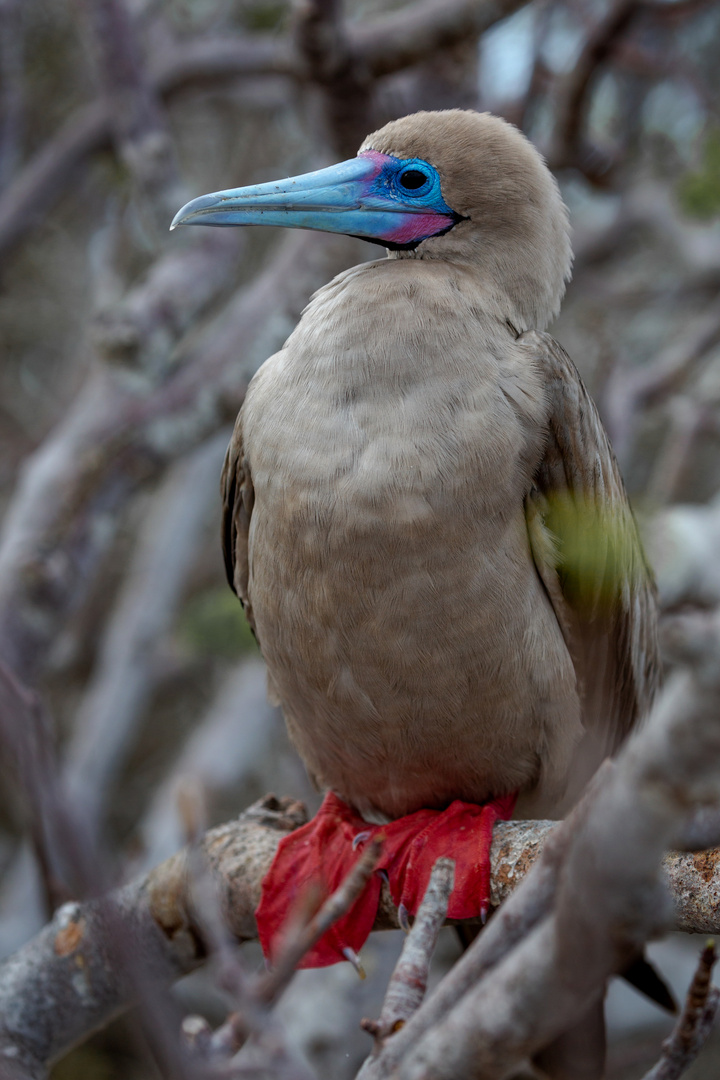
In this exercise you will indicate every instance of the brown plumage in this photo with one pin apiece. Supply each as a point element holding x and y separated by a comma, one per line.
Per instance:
<point>423,516</point>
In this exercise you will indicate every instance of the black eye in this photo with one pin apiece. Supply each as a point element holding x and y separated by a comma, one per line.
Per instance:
<point>412,179</point>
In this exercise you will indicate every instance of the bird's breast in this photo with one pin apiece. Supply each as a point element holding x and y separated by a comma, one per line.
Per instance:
<point>390,575</point>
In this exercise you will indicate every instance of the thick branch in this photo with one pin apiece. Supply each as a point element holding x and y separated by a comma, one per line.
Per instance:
<point>65,983</point>
<point>339,73</point>
<point>607,902</point>
<point>46,1006</point>
<point>394,41</point>
<point>140,131</point>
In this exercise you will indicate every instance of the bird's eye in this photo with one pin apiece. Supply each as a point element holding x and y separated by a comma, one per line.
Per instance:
<point>412,179</point>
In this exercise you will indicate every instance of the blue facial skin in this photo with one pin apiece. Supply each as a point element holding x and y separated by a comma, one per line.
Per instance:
<point>396,203</point>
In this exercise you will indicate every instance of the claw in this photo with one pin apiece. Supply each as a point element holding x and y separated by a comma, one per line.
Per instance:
<point>385,876</point>
<point>355,960</point>
<point>483,913</point>
<point>403,917</point>
<point>360,839</point>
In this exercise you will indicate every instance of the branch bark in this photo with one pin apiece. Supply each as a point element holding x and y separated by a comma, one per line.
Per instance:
<point>692,1029</point>
<point>408,982</point>
<point>607,903</point>
<point>62,985</point>
<point>122,681</point>
<point>139,128</point>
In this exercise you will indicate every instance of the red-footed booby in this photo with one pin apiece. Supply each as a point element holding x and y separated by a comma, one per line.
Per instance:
<point>424,519</point>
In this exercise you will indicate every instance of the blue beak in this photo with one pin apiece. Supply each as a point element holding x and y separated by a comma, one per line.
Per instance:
<point>356,197</point>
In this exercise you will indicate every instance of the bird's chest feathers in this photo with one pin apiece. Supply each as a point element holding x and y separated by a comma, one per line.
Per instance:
<point>395,420</point>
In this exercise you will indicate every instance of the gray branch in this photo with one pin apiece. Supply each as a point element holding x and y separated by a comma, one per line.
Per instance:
<point>137,121</point>
<point>605,861</point>
<point>120,436</point>
<point>408,982</point>
<point>694,1025</point>
<point>381,46</point>
<point>123,678</point>
<point>62,985</point>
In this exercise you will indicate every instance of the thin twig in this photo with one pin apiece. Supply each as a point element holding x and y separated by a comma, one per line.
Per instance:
<point>408,983</point>
<point>300,938</point>
<point>688,1037</point>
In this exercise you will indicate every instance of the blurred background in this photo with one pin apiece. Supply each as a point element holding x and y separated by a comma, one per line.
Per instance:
<point>125,352</point>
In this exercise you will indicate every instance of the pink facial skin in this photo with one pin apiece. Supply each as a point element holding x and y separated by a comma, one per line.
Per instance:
<point>413,220</point>
<point>380,160</point>
<point>416,227</point>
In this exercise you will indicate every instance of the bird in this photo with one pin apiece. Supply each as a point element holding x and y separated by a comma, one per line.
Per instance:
<point>427,527</point>
<point>423,516</point>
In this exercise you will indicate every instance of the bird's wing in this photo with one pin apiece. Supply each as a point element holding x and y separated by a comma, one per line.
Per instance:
<point>238,497</point>
<point>588,554</point>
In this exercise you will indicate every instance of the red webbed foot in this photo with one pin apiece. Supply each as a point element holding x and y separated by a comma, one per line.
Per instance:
<point>322,853</point>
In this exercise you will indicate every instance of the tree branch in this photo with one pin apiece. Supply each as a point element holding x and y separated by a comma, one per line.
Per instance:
<point>337,70</point>
<point>46,1007</point>
<point>607,902</point>
<point>381,46</point>
<point>140,132</point>
<point>391,42</point>
<point>409,980</point>
<point>122,681</point>
<point>568,148</point>
<point>119,437</point>
<point>692,1029</point>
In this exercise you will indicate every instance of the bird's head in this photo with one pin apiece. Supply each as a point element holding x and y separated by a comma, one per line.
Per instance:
<point>459,186</point>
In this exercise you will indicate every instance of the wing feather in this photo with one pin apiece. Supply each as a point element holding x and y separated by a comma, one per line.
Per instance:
<point>589,555</point>
<point>238,495</point>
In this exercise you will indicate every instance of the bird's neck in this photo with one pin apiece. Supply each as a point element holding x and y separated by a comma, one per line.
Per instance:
<point>394,325</point>
<point>520,283</point>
